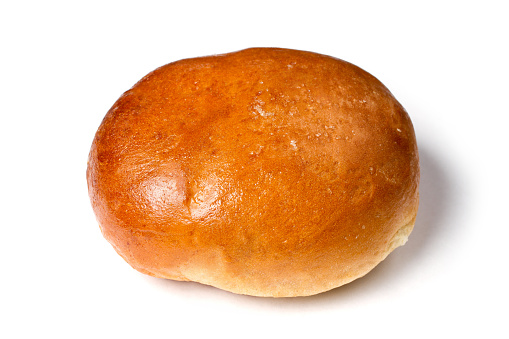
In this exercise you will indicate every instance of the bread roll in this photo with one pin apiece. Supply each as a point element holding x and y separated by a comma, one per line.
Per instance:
<point>266,172</point>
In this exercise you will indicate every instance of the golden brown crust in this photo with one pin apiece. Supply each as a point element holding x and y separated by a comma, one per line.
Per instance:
<point>267,172</point>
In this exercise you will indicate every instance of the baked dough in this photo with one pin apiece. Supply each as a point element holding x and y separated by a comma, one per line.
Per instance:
<point>267,172</point>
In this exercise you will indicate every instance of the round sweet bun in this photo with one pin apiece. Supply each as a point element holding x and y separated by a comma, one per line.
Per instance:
<point>266,172</point>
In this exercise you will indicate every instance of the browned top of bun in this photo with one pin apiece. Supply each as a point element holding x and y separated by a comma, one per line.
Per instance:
<point>267,172</point>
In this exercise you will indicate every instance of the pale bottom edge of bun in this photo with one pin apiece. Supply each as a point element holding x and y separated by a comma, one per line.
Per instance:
<point>218,278</point>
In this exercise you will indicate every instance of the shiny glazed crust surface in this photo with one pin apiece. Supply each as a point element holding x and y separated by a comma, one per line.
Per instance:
<point>267,172</point>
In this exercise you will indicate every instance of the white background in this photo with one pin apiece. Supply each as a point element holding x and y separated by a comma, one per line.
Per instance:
<point>64,63</point>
